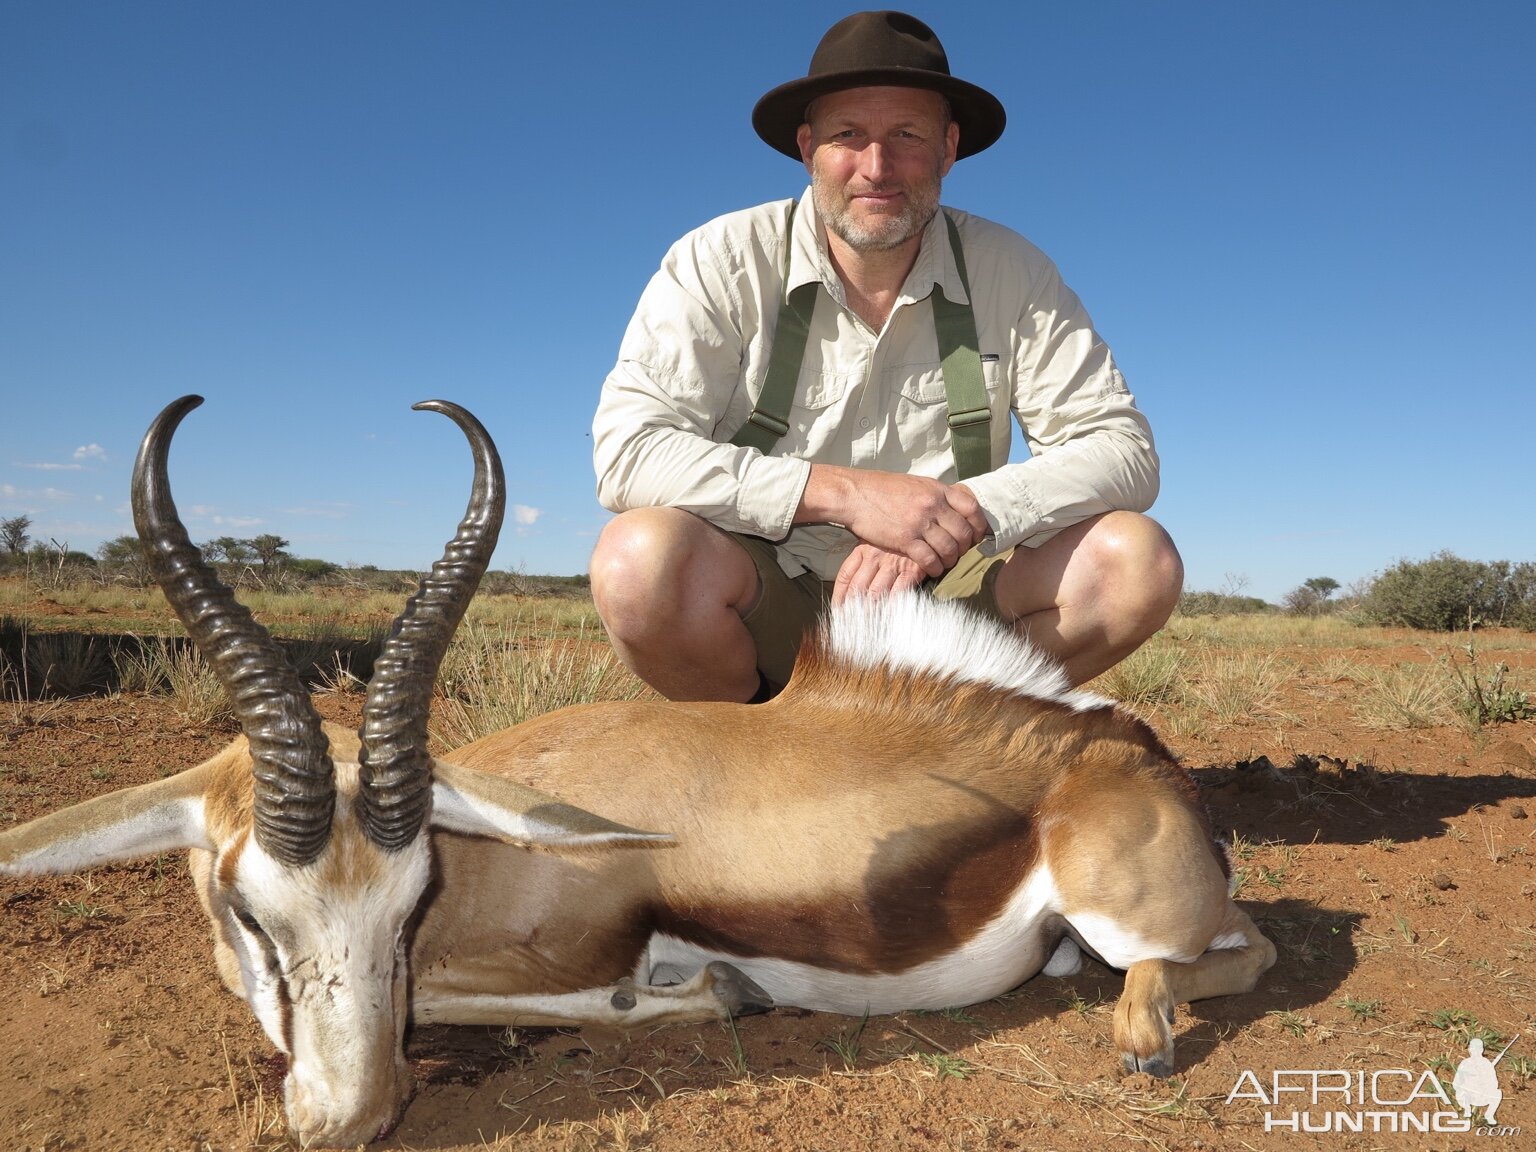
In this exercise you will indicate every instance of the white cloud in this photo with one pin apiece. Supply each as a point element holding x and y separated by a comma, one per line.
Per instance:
<point>524,517</point>
<point>11,492</point>
<point>85,452</point>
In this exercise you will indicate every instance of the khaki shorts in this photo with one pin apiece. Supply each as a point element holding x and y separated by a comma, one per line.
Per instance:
<point>789,606</point>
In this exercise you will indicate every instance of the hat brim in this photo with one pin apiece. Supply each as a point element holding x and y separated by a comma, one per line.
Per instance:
<point>779,114</point>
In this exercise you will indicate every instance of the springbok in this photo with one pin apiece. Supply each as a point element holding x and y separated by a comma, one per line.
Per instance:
<point>926,817</point>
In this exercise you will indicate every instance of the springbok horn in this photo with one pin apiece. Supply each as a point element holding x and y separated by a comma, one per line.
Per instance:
<point>295,789</point>
<point>395,770</point>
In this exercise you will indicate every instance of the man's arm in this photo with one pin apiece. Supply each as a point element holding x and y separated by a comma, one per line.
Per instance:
<point>652,448</point>
<point>678,382</point>
<point>1091,449</point>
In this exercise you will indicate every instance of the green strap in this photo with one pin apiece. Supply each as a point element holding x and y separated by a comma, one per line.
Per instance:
<point>768,420</point>
<point>970,434</point>
<point>965,390</point>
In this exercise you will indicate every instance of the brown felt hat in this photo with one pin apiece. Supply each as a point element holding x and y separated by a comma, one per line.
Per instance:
<point>874,49</point>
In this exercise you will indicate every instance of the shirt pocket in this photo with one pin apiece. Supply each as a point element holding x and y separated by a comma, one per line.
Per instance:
<point>922,406</point>
<point>817,391</point>
<point>816,418</point>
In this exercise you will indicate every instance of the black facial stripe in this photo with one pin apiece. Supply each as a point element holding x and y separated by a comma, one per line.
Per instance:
<point>285,1009</point>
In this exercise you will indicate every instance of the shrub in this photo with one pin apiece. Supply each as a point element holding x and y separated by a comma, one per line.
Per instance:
<point>1221,604</point>
<point>313,569</point>
<point>1484,695</point>
<point>1446,593</point>
<point>1311,598</point>
<point>65,663</point>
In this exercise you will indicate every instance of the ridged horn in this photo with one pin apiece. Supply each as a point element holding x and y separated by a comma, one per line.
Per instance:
<point>295,787</point>
<point>395,779</point>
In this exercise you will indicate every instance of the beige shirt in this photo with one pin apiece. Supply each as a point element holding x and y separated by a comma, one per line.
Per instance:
<point>695,354</point>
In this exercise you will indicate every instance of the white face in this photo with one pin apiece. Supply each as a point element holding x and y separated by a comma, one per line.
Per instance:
<point>324,960</point>
<point>877,158</point>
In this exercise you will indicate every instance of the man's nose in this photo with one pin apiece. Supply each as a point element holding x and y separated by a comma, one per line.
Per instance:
<point>874,161</point>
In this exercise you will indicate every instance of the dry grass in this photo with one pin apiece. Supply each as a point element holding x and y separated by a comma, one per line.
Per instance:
<point>495,676</point>
<point>1233,686</point>
<point>1150,675</point>
<point>1274,631</point>
<point>179,671</point>
<point>1404,696</point>
<point>67,664</point>
<point>261,1117</point>
<point>1339,670</point>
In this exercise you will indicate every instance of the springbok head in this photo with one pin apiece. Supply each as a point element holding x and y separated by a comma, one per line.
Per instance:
<point>309,846</point>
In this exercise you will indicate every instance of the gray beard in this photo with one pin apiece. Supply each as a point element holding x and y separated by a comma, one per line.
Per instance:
<point>885,232</point>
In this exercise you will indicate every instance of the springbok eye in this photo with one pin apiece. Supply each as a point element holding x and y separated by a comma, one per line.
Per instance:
<point>248,922</point>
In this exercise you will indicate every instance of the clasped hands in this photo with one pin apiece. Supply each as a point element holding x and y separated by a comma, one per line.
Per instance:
<point>909,528</point>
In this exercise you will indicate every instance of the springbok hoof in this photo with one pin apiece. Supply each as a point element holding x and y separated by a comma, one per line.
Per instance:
<point>736,991</point>
<point>1159,1064</point>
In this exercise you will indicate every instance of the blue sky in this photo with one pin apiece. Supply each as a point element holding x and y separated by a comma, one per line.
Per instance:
<point>1307,229</point>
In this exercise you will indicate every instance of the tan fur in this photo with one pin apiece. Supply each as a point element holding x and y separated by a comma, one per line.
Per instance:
<point>895,842</point>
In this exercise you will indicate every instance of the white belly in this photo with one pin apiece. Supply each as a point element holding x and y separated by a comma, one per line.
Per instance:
<point>1009,950</point>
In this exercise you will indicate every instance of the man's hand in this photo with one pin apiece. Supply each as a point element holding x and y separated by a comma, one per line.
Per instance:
<point>871,571</point>
<point>928,522</point>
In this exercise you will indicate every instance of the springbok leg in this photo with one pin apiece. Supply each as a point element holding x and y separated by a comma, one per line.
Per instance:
<point>715,992</point>
<point>1144,1015</point>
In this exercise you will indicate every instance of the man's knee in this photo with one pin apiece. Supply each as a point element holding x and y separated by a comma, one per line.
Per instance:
<point>640,555</point>
<point>651,564</point>
<point>1136,565</point>
<point>1129,570</point>
<point>636,545</point>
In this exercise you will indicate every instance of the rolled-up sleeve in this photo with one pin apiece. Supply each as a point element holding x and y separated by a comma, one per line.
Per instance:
<point>681,364</point>
<point>1091,448</point>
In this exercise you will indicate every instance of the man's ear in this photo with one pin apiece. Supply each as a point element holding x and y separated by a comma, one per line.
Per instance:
<point>807,148</point>
<point>951,148</point>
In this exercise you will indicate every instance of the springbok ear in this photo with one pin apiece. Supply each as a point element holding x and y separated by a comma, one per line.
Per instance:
<point>123,825</point>
<point>480,805</point>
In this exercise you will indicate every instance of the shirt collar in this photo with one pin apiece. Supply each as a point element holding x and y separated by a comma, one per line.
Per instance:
<point>810,263</point>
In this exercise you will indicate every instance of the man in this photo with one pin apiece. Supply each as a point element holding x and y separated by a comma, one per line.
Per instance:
<point>812,399</point>
<point>1476,1083</point>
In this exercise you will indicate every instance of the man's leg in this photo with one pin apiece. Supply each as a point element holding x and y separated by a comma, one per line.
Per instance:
<point>671,590</point>
<point>1093,593</point>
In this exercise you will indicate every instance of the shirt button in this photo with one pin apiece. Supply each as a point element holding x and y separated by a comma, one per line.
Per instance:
<point>864,423</point>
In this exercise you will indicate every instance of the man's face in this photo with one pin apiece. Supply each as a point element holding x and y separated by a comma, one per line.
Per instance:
<point>877,157</point>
